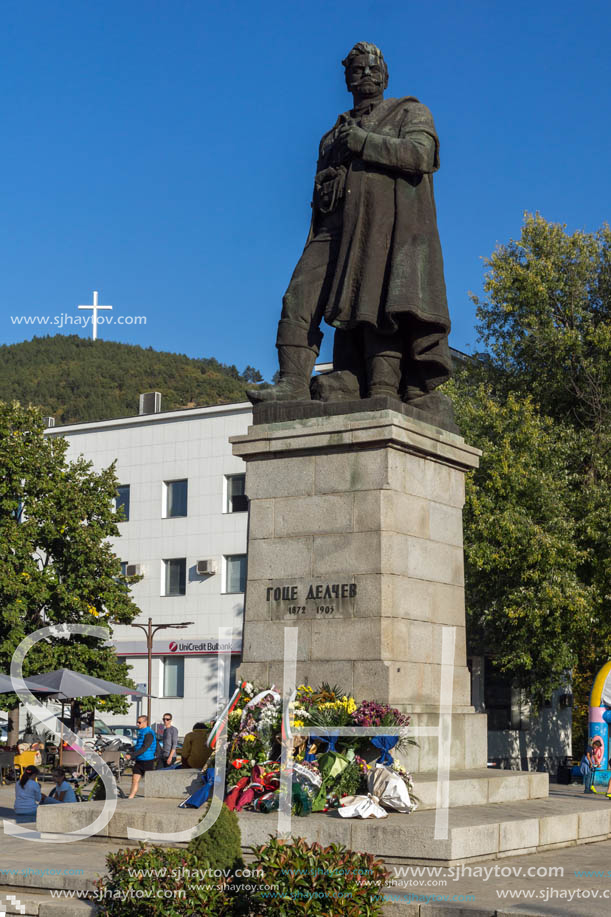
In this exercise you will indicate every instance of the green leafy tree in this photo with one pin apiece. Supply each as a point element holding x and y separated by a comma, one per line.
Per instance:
<point>251,374</point>
<point>546,321</point>
<point>538,403</point>
<point>56,564</point>
<point>526,601</point>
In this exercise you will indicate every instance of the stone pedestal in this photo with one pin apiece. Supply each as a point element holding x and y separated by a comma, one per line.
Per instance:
<point>355,538</point>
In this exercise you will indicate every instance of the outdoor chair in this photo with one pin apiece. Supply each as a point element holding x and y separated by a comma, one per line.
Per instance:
<point>73,761</point>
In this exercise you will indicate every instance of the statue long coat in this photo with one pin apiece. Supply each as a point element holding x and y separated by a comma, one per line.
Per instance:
<point>390,260</point>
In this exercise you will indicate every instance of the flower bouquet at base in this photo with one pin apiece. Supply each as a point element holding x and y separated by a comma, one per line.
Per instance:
<point>370,713</point>
<point>331,765</point>
<point>252,728</point>
<point>391,786</point>
<point>264,779</point>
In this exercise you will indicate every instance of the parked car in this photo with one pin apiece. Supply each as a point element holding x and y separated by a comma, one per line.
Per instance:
<point>103,729</point>
<point>130,732</point>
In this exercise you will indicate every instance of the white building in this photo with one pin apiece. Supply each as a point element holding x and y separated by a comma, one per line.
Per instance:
<point>183,494</point>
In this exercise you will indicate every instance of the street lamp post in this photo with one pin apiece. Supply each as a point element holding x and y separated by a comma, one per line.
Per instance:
<point>150,630</point>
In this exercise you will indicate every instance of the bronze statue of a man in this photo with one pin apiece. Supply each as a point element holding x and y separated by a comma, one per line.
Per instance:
<point>372,266</point>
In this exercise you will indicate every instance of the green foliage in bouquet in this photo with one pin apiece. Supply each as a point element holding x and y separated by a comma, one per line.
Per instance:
<point>351,782</point>
<point>235,774</point>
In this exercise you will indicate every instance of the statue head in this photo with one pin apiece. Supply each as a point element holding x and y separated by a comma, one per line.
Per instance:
<point>365,69</point>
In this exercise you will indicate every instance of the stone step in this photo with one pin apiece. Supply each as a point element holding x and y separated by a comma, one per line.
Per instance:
<point>467,787</point>
<point>494,830</point>
<point>171,784</point>
<point>161,814</point>
<point>37,867</point>
<point>474,832</point>
<point>14,901</point>
<point>482,786</point>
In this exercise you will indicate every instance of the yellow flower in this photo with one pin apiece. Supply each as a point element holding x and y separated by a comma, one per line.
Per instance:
<point>250,738</point>
<point>298,724</point>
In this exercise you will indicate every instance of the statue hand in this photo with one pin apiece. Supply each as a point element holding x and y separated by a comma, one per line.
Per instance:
<point>350,139</point>
<point>327,174</point>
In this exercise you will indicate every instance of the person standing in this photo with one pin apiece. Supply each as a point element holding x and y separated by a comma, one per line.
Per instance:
<point>169,742</point>
<point>143,753</point>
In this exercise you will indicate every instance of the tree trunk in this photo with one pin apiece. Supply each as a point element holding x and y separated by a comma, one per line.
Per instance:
<point>13,726</point>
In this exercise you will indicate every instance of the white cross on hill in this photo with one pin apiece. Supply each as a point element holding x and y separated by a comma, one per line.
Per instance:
<point>95,308</point>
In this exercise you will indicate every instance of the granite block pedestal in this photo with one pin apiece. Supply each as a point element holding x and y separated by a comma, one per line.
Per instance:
<point>355,538</point>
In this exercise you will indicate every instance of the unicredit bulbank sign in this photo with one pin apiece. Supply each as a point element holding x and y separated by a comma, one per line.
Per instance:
<point>187,646</point>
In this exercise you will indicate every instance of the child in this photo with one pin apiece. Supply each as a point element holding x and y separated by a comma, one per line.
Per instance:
<point>593,757</point>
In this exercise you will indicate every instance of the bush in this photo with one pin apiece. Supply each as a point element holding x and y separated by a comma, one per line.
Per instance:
<point>155,881</point>
<point>220,846</point>
<point>288,879</point>
<point>159,882</point>
<point>317,881</point>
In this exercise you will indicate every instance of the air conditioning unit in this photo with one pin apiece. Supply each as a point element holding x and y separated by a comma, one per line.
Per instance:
<point>206,567</point>
<point>134,570</point>
<point>150,403</point>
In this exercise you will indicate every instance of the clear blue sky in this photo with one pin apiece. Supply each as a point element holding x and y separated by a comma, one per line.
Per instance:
<point>163,152</point>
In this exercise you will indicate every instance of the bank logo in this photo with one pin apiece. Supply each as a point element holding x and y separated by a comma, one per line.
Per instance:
<point>173,648</point>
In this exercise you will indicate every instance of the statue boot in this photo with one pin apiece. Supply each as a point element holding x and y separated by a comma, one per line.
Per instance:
<point>296,366</point>
<point>383,362</point>
<point>434,407</point>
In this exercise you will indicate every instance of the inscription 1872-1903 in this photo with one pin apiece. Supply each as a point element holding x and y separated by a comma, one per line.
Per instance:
<point>319,600</point>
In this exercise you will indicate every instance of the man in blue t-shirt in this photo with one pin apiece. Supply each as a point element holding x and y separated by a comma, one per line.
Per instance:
<point>143,753</point>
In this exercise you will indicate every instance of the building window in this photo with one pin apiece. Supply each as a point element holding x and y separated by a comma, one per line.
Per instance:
<point>237,501</point>
<point>173,676</point>
<point>504,701</point>
<point>175,502</point>
<point>123,568</point>
<point>122,501</point>
<point>235,573</point>
<point>175,576</point>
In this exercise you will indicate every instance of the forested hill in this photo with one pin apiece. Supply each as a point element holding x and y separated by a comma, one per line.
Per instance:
<point>74,379</point>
